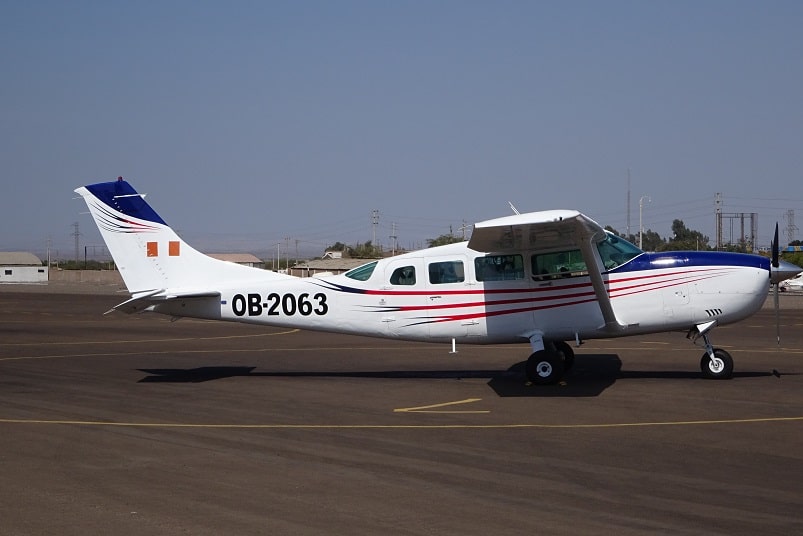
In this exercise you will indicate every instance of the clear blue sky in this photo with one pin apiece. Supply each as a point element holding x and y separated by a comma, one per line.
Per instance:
<point>249,122</point>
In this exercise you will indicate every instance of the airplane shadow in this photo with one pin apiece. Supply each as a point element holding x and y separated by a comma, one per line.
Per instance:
<point>591,375</point>
<point>203,374</point>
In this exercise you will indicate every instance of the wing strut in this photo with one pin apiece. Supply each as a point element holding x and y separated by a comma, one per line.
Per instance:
<point>595,272</point>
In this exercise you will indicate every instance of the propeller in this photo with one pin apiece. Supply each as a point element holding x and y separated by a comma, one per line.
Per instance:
<point>775,264</point>
<point>779,271</point>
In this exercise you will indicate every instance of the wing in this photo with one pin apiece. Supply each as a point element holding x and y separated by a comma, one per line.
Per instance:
<point>551,229</point>
<point>535,230</point>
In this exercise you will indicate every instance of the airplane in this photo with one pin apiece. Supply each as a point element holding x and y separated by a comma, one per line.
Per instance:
<point>793,283</point>
<point>546,278</point>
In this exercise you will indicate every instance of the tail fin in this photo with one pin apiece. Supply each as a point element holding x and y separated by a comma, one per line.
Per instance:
<point>149,254</point>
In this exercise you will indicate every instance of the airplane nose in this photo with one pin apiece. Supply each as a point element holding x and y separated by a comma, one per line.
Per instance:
<point>785,270</point>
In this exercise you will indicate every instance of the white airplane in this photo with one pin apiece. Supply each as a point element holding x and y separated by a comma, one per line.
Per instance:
<point>793,283</point>
<point>543,277</point>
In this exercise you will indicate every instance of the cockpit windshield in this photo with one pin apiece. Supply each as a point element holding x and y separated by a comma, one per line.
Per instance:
<point>615,250</point>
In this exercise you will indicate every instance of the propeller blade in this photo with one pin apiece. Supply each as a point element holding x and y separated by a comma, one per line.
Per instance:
<point>777,316</point>
<point>776,264</point>
<point>775,248</point>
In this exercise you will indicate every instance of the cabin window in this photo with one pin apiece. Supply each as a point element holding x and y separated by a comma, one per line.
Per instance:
<point>8,272</point>
<point>403,276</point>
<point>558,265</point>
<point>499,267</point>
<point>362,273</point>
<point>615,251</point>
<point>446,272</point>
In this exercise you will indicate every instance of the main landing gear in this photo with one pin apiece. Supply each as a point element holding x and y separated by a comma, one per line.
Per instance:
<point>548,365</point>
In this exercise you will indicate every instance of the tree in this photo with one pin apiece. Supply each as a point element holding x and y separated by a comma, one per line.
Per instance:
<point>686,239</point>
<point>338,246</point>
<point>365,251</point>
<point>795,257</point>
<point>651,241</point>
<point>443,240</point>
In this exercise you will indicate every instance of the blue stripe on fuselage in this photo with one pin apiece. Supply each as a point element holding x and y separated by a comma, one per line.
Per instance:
<point>689,259</point>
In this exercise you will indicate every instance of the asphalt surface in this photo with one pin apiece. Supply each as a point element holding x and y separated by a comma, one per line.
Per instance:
<point>131,425</point>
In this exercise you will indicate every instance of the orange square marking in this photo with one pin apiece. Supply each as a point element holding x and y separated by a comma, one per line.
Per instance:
<point>153,249</point>
<point>173,248</point>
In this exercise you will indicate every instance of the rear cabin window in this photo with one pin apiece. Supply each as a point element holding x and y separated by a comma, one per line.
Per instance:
<point>403,276</point>
<point>558,265</point>
<point>362,273</point>
<point>499,267</point>
<point>446,272</point>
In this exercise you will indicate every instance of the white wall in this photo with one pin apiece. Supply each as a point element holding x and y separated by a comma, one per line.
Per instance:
<point>23,274</point>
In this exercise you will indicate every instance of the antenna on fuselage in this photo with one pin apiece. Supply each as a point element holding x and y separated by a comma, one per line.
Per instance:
<point>515,210</point>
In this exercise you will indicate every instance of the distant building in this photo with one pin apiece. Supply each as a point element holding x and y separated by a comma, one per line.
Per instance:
<point>21,267</point>
<point>246,259</point>
<point>326,265</point>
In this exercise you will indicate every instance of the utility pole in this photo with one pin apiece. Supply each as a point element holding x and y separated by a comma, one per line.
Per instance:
<point>76,234</point>
<point>393,238</point>
<point>640,219</point>
<point>718,220</point>
<point>464,228</point>
<point>374,224</point>
<point>627,229</point>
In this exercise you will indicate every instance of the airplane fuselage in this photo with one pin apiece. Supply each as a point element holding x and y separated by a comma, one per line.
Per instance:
<point>453,292</point>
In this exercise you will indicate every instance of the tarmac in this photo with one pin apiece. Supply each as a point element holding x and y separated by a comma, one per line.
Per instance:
<point>130,425</point>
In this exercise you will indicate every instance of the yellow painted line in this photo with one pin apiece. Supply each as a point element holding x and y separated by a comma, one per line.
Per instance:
<point>430,408</point>
<point>399,426</point>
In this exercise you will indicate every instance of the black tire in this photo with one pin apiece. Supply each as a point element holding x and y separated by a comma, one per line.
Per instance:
<point>721,369</point>
<point>544,367</point>
<point>568,354</point>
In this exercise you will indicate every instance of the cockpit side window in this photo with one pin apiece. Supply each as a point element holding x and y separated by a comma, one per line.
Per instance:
<point>499,267</point>
<point>403,276</point>
<point>615,251</point>
<point>558,264</point>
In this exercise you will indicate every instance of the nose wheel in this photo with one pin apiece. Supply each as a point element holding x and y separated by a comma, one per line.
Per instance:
<point>717,367</point>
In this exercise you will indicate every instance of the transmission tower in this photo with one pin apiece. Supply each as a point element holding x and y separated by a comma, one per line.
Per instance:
<point>791,228</point>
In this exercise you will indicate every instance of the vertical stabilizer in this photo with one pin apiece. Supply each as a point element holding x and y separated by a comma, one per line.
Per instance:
<point>148,253</point>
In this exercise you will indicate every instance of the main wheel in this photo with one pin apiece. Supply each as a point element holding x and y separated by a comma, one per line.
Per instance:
<point>544,367</point>
<point>719,368</point>
<point>568,354</point>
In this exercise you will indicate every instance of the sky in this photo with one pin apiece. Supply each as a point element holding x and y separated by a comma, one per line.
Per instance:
<point>261,125</point>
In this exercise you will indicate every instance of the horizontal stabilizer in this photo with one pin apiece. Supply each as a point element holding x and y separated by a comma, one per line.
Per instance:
<point>142,302</point>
